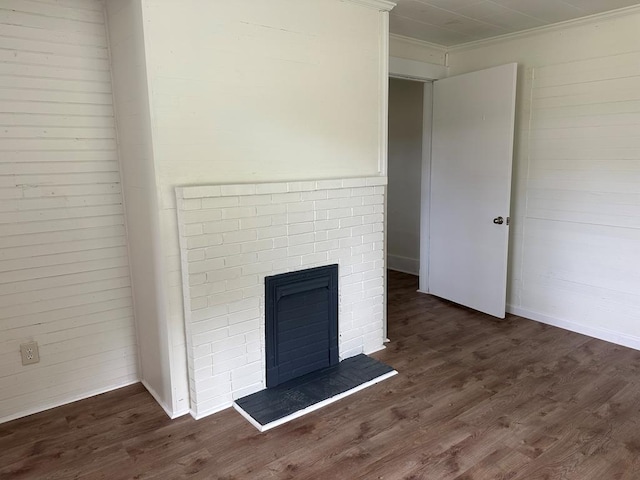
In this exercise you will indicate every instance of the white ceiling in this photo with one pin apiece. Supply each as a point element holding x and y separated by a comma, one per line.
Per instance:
<point>452,22</point>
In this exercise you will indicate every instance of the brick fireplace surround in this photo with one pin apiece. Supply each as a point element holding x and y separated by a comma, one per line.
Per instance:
<point>232,236</point>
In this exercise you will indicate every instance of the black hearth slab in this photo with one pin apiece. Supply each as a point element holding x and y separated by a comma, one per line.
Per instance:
<point>287,399</point>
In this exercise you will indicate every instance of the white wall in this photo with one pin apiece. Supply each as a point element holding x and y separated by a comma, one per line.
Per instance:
<point>241,91</point>
<point>289,90</point>
<point>64,274</point>
<point>141,194</point>
<point>405,173</point>
<point>413,49</point>
<point>576,210</point>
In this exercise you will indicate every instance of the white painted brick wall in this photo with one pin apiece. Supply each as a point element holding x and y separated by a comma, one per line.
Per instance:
<point>232,236</point>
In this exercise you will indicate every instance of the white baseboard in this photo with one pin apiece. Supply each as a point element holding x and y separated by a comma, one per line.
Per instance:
<point>600,333</point>
<point>403,264</point>
<point>377,349</point>
<point>66,401</point>
<point>169,411</point>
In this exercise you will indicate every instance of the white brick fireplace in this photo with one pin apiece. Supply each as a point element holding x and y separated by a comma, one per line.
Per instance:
<point>232,236</point>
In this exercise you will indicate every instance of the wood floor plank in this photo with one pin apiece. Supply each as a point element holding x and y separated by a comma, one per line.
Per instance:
<point>476,398</point>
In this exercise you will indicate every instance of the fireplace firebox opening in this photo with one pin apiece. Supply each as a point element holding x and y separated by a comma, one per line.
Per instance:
<point>301,323</point>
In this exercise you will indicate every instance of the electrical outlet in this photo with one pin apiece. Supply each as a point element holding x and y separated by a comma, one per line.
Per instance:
<point>29,352</point>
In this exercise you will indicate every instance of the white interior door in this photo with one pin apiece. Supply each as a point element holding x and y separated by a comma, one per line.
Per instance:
<point>472,148</point>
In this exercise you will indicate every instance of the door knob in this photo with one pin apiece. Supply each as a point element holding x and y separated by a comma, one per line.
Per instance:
<point>498,220</point>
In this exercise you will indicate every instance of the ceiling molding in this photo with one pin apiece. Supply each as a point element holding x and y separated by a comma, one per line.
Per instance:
<point>380,5</point>
<point>418,42</point>
<point>576,22</point>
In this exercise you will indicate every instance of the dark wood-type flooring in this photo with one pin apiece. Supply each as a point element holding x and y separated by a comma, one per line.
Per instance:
<point>476,398</point>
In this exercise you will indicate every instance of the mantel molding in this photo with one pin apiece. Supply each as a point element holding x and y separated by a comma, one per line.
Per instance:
<point>380,5</point>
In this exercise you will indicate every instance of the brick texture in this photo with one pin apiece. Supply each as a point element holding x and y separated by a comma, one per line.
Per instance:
<point>268,229</point>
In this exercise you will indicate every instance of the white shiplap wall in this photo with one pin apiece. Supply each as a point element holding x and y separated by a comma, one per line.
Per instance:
<point>417,50</point>
<point>575,246</point>
<point>64,275</point>
<point>582,224</point>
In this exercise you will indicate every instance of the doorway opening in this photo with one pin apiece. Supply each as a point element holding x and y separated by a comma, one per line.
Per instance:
<point>465,183</point>
<point>409,158</point>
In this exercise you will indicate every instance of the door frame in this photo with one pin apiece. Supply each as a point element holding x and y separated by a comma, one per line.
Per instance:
<point>426,73</point>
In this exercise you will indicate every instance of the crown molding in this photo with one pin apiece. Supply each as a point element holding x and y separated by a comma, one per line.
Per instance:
<point>418,42</point>
<point>576,22</point>
<point>380,5</point>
